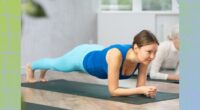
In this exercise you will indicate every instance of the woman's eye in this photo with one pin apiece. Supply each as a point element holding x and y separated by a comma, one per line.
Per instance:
<point>149,51</point>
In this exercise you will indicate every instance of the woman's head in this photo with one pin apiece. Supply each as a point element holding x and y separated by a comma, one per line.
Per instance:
<point>174,36</point>
<point>174,32</point>
<point>145,45</point>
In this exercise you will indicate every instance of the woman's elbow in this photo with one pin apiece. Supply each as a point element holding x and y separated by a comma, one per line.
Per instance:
<point>152,75</point>
<point>113,93</point>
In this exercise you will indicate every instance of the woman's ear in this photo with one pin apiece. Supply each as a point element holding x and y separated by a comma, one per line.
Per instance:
<point>135,47</point>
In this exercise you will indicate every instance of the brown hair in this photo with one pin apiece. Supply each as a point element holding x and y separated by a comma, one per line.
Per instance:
<point>143,38</point>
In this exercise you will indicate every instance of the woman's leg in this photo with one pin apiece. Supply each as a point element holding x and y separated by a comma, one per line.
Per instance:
<point>43,65</point>
<point>71,61</point>
<point>56,64</point>
<point>30,74</point>
<point>67,63</point>
<point>42,75</point>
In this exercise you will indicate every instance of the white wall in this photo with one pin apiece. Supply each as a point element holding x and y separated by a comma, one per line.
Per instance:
<point>68,24</point>
<point>164,22</point>
<point>121,27</point>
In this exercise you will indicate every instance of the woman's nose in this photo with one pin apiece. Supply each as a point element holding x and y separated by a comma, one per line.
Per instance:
<point>152,56</point>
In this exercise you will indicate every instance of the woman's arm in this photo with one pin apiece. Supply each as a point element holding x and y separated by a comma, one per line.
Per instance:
<point>142,75</point>
<point>114,60</point>
<point>157,63</point>
<point>141,81</point>
<point>173,77</point>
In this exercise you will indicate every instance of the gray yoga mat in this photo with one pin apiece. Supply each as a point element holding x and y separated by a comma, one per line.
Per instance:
<point>33,106</point>
<point>96,91</point>
<point>167,81</point>
<point>157,80</point>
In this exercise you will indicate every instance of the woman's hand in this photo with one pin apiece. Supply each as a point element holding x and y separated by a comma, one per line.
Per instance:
<point>173,77</point>
<point>149,91</point>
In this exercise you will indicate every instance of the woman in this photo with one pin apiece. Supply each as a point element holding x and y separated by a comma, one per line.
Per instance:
<point>165,65</point>
<point>113,63</point>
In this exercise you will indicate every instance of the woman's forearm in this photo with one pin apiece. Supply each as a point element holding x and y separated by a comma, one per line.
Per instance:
<point>158,75</point>
<point>125,91</point>
<point>173,77</point>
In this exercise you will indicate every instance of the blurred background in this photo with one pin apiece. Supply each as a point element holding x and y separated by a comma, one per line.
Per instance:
<point>50,28</point>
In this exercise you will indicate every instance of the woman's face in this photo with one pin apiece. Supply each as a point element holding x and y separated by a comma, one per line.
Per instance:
<point>146,54</point>
<point>176,41</point>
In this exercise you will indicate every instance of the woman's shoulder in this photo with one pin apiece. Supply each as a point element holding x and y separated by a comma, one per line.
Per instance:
<point>114,55</point>
<point>165,43</point>
<point>164,46</point>
<point>116,50</point>
<point>120,46</point>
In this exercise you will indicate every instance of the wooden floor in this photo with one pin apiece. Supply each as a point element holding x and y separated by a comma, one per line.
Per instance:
<point>68,101</point>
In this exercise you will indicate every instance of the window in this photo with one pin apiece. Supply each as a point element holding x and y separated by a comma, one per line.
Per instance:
<point>110,5</point>
<point>156,5</point>
<point>139,5</point>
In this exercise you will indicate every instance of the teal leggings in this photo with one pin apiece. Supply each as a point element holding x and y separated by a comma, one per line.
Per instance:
<point>71,61</point>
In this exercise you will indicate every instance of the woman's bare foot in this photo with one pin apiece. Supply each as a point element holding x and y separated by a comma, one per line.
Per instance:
<point>42,75</point>
<point>29,74</point>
